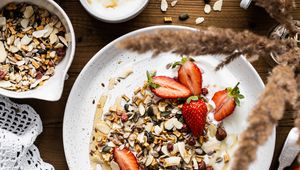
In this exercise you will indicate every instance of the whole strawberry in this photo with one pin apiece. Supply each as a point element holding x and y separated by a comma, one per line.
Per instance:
<point>194,113</point>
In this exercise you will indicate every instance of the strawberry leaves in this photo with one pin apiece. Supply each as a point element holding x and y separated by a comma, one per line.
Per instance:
<point>235,93</point>
<point>150,80</point>
<point>184,59</point>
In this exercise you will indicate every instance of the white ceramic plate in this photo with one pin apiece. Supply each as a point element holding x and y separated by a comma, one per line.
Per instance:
<point>79,113</point>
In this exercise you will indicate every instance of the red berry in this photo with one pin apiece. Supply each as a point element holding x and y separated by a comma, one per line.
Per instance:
<point>226,101</point>
<point>124,117</point>
<point>125,159</point>
<point>170,147</point>
<point>168,88</point>
<point>194,114</point>
<point>190,75</point>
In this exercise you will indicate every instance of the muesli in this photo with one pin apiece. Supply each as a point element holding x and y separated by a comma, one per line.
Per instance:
<point>168,123</point>
<point>32,42</point>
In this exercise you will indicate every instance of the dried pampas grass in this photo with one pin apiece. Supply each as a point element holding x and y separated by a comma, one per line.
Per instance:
<point>280,89</point>
<point>209,41</point>
<point>280,10</point>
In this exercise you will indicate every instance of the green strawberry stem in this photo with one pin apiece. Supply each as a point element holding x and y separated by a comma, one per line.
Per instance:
<point>184,59</point>
<point>235,93</point>
<point>150,80</point>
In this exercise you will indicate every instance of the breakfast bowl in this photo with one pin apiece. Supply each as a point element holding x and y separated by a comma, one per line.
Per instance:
<point>114,11</point>
<point>40,40</point>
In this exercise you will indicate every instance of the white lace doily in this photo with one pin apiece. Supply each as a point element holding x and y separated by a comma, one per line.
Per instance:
<point>19,127</point>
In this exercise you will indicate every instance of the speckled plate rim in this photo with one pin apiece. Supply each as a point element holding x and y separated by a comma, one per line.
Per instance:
<point>68,114</point>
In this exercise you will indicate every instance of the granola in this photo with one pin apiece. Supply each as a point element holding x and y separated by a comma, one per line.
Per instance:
<point>32,42</point>
<point>154,130</point>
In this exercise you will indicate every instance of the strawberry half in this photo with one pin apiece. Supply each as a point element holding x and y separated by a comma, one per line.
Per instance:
<point>194,113</point>
<point>226,101</point>
<point>125,159</point>
<point>167,88</point>
<point>189,74</point>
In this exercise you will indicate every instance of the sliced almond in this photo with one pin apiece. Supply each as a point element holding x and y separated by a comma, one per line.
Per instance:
<point>218,5</point>
<point>28,12</point>
<point>3,53</point>
<point>39,34</point>
<point>5,84</point>
<point>24,23</point>
<point>49,29</point>
<point>10,40</point>
<point>53,38</point>
<point>199,20</point>
<point>164,5</point>
<point>174,2</point>
<point>26,40</point>
<point>63,40</point>
<point>207,8</point>
<point>149,160</point>
<point>103,127</point>
<point>172,161</point>
<point>157,130</point>
<point>149,127</point>
<point>2,21</point>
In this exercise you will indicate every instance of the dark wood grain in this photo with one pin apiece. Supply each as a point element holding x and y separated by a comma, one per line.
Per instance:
<point>92,35</point>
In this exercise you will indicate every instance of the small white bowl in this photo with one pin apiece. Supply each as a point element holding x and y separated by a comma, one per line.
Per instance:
<point>52,88</point>
<point>100,15</point>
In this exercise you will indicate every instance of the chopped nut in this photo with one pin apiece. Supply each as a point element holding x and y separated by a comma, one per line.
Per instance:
<point>168,19</point>
<point>226,158</point>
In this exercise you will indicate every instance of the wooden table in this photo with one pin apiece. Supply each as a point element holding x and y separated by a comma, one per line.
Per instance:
<point>92,35</point>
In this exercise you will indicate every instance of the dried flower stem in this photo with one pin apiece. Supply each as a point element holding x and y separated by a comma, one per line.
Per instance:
<point>280,10</point>
<point>209,41</point>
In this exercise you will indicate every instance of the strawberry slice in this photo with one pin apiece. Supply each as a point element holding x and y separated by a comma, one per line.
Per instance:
<point>167,88</point>
<point>226,101</point>
<point>125,159</point>
<point>189,74</point>
<point>194,113</point>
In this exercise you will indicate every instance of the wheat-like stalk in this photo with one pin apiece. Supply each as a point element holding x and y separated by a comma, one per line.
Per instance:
<point>280,10</point>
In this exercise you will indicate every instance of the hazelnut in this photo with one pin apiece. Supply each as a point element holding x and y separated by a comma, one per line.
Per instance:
<point>209,168</point>
<point>202,165</point>
<point>191,141</point>
<point>185,128</point>
<point>221,134</point>
<point>204,91</point>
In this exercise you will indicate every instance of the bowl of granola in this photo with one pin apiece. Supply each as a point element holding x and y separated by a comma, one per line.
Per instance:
<point>164,112</point>
<point>37,46</point>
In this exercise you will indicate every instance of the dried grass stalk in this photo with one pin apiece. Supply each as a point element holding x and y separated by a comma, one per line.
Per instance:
<point>280,10</point>
<point>297,109</point>
<point>209,41</point>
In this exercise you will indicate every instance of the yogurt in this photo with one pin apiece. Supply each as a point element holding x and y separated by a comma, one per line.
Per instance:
<point>115,9</point>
